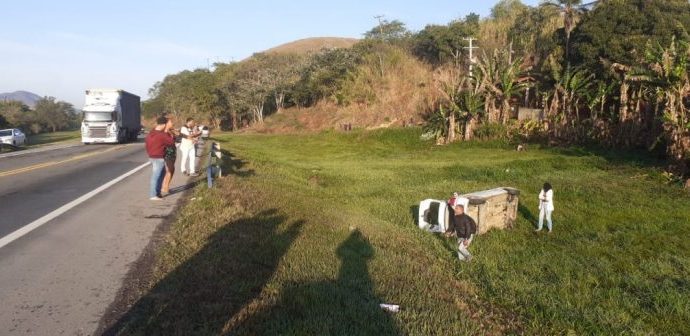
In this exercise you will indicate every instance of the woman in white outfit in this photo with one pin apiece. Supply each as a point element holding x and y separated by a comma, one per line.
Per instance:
<point>187,148</point>
<point>545,206</point>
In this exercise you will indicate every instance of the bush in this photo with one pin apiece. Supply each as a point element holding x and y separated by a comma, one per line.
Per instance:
<point>492,131</point>
<point>527,131</point>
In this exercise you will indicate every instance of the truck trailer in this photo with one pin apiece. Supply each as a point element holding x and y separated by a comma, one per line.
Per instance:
<point>110,116</point>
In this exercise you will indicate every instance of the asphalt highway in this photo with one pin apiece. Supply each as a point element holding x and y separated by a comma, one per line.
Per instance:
<point>60,274</point>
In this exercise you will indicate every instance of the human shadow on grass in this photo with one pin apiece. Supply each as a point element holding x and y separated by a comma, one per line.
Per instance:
<point>202,294</point>
<point>234,166</point>
<point>347,305</point>
<point>527,214</point>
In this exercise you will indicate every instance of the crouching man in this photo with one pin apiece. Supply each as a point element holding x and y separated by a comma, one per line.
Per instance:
<point>465,228</point>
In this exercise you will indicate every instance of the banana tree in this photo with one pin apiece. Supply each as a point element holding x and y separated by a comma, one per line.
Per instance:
<point>471,105</point>
<point>501,80</point>
<point>664,72</point>
<point>572,86</point>
<point>597,99</point>
<point>437,125</point>
<point>667,69</point>
<point>448,82</point>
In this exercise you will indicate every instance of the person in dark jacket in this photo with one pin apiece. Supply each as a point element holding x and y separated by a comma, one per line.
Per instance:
<point>464,228</point>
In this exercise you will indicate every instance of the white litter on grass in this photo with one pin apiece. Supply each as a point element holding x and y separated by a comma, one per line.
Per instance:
<point>390,307</point>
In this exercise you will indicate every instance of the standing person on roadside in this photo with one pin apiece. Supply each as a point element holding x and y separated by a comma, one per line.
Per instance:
<point>156,141</point>
<point>170,156</point>
<point>464,228</point>
<point>187,147</point>
<point>545,206</point>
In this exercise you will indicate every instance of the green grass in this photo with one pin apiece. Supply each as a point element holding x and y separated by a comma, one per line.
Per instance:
<point>47,138</point>
<point>309,233</point>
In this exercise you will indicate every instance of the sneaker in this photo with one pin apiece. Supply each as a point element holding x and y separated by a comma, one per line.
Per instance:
<point>156,198</point>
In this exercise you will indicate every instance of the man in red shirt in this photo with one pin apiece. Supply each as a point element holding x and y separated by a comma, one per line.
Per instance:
<point>156,141</point>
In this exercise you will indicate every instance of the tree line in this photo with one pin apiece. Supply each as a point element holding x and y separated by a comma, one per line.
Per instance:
<point>609,72</point>
<point>48,115</point>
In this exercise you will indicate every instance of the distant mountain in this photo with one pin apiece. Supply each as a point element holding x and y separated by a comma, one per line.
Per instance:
<point>25,97</point>
<point>312,44</point>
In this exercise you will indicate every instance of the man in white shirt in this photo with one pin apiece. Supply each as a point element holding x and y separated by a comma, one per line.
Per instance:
<point>188,148</point>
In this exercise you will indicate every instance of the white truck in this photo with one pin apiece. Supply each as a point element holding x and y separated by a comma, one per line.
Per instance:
<point>110,116</point>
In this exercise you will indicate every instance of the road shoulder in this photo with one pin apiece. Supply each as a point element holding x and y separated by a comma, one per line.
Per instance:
<point>140,274</point>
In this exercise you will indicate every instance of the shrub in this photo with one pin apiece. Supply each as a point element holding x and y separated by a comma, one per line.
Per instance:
<point>492,131</point>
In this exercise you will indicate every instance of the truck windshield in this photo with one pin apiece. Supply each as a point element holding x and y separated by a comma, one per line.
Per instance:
<point>6,133</point>
<point>98,116</point>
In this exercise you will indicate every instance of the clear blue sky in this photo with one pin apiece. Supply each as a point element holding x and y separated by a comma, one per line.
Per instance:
<point>60,48</point>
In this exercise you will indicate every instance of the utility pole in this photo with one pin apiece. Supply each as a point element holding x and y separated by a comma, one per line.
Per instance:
<point>380,18</point>
<point>471,49</point>
<point>510,52</point>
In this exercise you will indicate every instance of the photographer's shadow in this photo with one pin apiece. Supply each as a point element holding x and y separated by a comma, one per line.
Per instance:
<point>347,305</point>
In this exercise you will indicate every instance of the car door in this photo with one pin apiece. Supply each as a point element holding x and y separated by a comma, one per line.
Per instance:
<point>19,137</point>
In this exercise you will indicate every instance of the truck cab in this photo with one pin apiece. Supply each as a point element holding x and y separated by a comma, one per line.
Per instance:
<point>110,116</point>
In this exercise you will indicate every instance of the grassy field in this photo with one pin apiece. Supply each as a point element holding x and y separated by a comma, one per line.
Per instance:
<point>46,138</point>
<point>309,233</point>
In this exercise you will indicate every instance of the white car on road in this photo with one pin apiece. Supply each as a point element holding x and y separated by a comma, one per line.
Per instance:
<point>12,136</point>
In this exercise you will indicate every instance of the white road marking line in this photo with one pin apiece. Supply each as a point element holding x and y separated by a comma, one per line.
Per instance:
<point>61,210</point>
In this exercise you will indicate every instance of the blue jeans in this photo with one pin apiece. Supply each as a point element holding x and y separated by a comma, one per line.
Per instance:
<point>157,175</point>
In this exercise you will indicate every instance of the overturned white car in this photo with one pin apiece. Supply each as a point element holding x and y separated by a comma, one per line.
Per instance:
<point>494,208</point>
